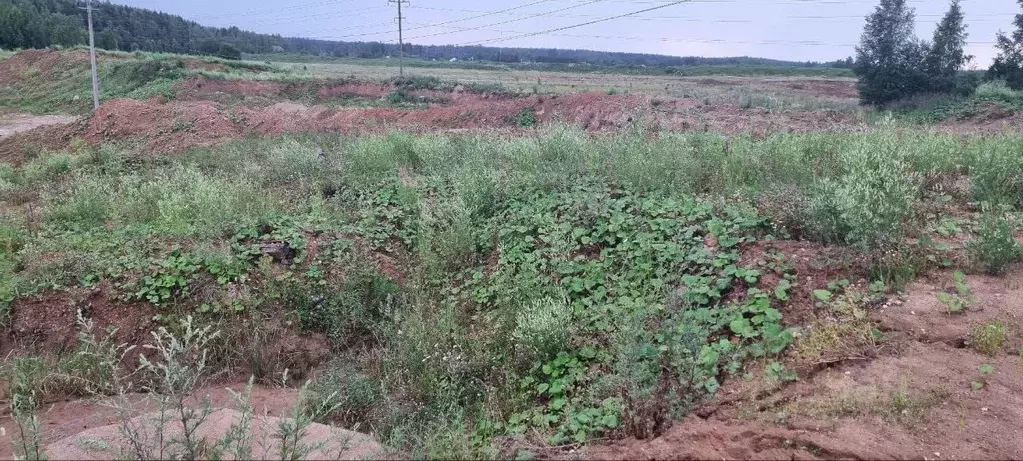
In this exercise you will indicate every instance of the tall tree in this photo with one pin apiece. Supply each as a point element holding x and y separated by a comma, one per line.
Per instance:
<point>946,55</point>
<point>889,57</point>
<point>1009,63</point>
<point>107,39</point>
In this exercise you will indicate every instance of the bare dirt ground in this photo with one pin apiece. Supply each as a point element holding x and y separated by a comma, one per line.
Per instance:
<point>914,400</point>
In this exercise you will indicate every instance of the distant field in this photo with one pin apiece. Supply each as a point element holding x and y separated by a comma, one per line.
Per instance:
<point>701,70</point>
<point>768,92</point>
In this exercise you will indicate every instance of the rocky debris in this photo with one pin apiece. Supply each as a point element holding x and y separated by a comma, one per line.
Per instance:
<point>280,251</point>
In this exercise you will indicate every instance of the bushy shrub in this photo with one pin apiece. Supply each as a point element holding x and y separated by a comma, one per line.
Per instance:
<point>86,202</point>
<point>996,173</point>
<point>995,246</point>
<point>527,118</point>
<point>870,205</point>
<point>876,194</point>
<point>997,90</point>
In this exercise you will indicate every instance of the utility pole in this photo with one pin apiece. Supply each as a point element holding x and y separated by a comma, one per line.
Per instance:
<point>401,41</point>
<point>92,55</point>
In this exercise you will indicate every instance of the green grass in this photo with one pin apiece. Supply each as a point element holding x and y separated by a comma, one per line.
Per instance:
<point>491,286</point>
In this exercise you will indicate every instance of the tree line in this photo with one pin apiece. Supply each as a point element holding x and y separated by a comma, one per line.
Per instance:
<point>44,23</point>
<point>893,64</point>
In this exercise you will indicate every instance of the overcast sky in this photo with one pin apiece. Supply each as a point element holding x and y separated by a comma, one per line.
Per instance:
<point>818,30</point>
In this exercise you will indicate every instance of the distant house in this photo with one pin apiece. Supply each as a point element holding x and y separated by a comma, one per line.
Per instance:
<point>453,60</point>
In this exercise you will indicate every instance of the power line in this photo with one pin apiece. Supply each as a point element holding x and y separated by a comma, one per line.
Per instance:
<point>559,29</point>
<point>698,40</point>
<point>485,14</point>
<point>401,41</point>
<point>536,15</point>
<point>531,16</point>
<point>713,21</point>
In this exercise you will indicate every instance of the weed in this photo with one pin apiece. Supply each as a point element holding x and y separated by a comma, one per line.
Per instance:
<point>981,382</point>
<point>527,118</point>
<point>995,246</point>
<point>292,432</point>
<point>28,440</point>
<point>543,328</point>
<point>776,372</point>
<point>988,339</point>
<point>958,301</point>
<point>904,406</point>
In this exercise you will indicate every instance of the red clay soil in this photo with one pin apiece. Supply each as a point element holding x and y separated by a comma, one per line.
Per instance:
<point>47,325</point>
<point>930,363</point>
<point>41,323</point>
<point>175,126</point>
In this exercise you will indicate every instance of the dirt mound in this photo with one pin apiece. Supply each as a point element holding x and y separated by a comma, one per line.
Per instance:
<point>167,127</point>
<point>331,443</point>
<point>65,422</point>
<point>179,125</point>
<point>690,115</point>
<point>40,62</point>
<point>16,148</point>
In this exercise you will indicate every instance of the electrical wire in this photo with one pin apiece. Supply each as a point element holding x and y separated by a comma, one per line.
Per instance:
<point>559,29</point>
<point>483,15</point>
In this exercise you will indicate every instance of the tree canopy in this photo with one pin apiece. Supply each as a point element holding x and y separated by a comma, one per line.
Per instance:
<point>1009,63</point>
<point>892,64</point>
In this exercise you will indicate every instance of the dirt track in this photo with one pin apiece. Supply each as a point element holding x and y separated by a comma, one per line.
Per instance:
<point>17,123</point>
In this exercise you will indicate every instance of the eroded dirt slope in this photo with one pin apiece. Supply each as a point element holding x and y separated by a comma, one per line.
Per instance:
<point>915,400</point>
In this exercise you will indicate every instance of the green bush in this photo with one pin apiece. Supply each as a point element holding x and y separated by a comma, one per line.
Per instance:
<point>527,118</point>
<point>996,172</point>
<point>874,199</point>
<point>995,245</point>
<point>418,82</point>
<point>996,90</point>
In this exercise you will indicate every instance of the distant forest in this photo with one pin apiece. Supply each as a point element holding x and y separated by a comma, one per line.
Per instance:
<point>44,23</point>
